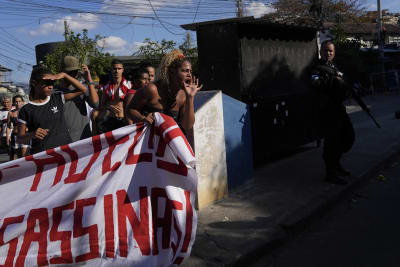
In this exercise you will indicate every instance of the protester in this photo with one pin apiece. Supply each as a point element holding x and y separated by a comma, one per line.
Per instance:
<point>77,112</point>
<point>172,94</point>
<point>17,150</point>
<point>5,136</point>
<point>140,79</point>
<point>150,69</point>
<point>334,124</point>
<point>111,111</point>
<point>44,114</point>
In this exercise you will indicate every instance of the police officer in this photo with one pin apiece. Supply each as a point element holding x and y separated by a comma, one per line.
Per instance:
<point>334,125</point>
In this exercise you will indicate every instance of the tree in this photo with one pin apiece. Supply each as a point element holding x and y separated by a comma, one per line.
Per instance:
<point>190,51</point>
<point>153,51</point>
<point>317,11</point>
<point>187,47</point>
<point>86,49</point>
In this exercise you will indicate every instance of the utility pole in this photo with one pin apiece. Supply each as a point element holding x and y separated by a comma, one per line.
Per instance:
<point>66,30</point>
<point>239,8</point>
<point>380,36</point>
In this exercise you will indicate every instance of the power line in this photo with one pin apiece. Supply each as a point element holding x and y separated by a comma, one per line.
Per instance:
<point>197,9</point>
<point>155,14</point>
<point>19,61</point>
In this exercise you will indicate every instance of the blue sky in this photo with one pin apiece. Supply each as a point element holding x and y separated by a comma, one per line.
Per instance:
<point>125,23</point>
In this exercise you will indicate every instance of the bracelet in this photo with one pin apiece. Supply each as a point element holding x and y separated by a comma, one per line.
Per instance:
<point>91,83</point>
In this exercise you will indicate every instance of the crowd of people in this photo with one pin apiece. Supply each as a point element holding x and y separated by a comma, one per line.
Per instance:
<point>68,106</point>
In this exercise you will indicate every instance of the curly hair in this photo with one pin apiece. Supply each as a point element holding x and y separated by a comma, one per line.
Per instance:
<point>169,62</point>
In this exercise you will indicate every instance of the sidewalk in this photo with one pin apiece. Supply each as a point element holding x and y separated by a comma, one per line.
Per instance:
<point>284,195</point>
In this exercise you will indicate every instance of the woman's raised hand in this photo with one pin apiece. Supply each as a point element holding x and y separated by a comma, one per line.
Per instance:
<point>192,87</point>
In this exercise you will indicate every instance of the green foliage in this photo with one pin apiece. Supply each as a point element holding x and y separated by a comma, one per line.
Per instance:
<point>350,58</point>
<point>153,51</point>
<point>190,51</point>
<point>187,47</point>
<point>85,49</point>
<point>316,11</point>
<point>339,34</point>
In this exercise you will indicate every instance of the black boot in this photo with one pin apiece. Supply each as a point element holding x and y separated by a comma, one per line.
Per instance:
<point>342,172</point>
<point>333,178</point>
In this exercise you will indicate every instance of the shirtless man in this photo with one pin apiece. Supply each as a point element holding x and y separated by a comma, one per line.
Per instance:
<point>111,115</point>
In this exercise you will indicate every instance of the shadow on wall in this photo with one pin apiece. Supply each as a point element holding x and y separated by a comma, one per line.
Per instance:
<point>238,141</point>
<point>282,109</point>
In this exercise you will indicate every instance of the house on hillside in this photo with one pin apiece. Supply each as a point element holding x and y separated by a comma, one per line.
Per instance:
<point>7,87</point>
<point>367,33</point>
<point>4,75</point>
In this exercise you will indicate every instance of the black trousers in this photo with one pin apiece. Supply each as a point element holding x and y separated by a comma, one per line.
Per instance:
<point>339,138</point>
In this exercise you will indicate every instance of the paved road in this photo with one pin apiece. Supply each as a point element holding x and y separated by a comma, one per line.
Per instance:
<point>361,231</point>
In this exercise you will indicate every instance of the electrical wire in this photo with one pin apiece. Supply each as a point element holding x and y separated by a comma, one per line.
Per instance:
<point>168,14</point>
<point>162,24</point>
<point>197,9</point>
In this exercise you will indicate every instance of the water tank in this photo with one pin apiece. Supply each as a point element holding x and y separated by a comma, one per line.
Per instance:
<point>46,48</point>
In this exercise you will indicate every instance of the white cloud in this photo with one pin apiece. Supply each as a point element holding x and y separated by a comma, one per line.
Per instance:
<point>371,7</point>
<point>76,23</point>
<point>136,45</point>
<point>138,7</point>
<point>118,46</point>
<point>258,9</point>
<point>113,44</point>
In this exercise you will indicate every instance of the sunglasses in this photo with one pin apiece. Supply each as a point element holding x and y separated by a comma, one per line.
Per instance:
<point>47,82</point>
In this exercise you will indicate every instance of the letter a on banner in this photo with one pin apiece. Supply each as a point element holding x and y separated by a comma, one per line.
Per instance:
<point>123,198</point>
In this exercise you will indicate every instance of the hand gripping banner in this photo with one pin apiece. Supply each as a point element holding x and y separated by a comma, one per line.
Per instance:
<point>123,198</point>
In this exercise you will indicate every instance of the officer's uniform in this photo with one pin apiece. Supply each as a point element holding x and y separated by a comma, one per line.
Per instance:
<point>334,125</point>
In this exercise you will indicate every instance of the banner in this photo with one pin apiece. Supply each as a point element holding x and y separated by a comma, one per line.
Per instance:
<point>123,198</point>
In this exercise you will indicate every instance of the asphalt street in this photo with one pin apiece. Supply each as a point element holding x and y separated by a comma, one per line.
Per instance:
<point>362,230</point>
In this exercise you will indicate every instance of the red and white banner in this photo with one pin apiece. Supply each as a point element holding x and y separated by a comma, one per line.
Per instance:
<point>124,198</point>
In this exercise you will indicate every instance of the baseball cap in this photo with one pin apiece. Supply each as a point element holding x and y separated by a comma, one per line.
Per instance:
<point>70,63</point>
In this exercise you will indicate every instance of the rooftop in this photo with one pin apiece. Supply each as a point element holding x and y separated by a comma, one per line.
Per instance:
<point>4,69</point>
<point>248,21</point>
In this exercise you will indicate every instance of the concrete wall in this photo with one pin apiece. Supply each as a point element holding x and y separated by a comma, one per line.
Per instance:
<point>222,143</point>
<point>238,141</point>
<point>209,146</point>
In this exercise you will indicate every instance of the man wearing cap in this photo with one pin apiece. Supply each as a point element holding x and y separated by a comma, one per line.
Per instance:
<point>76,112</point>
